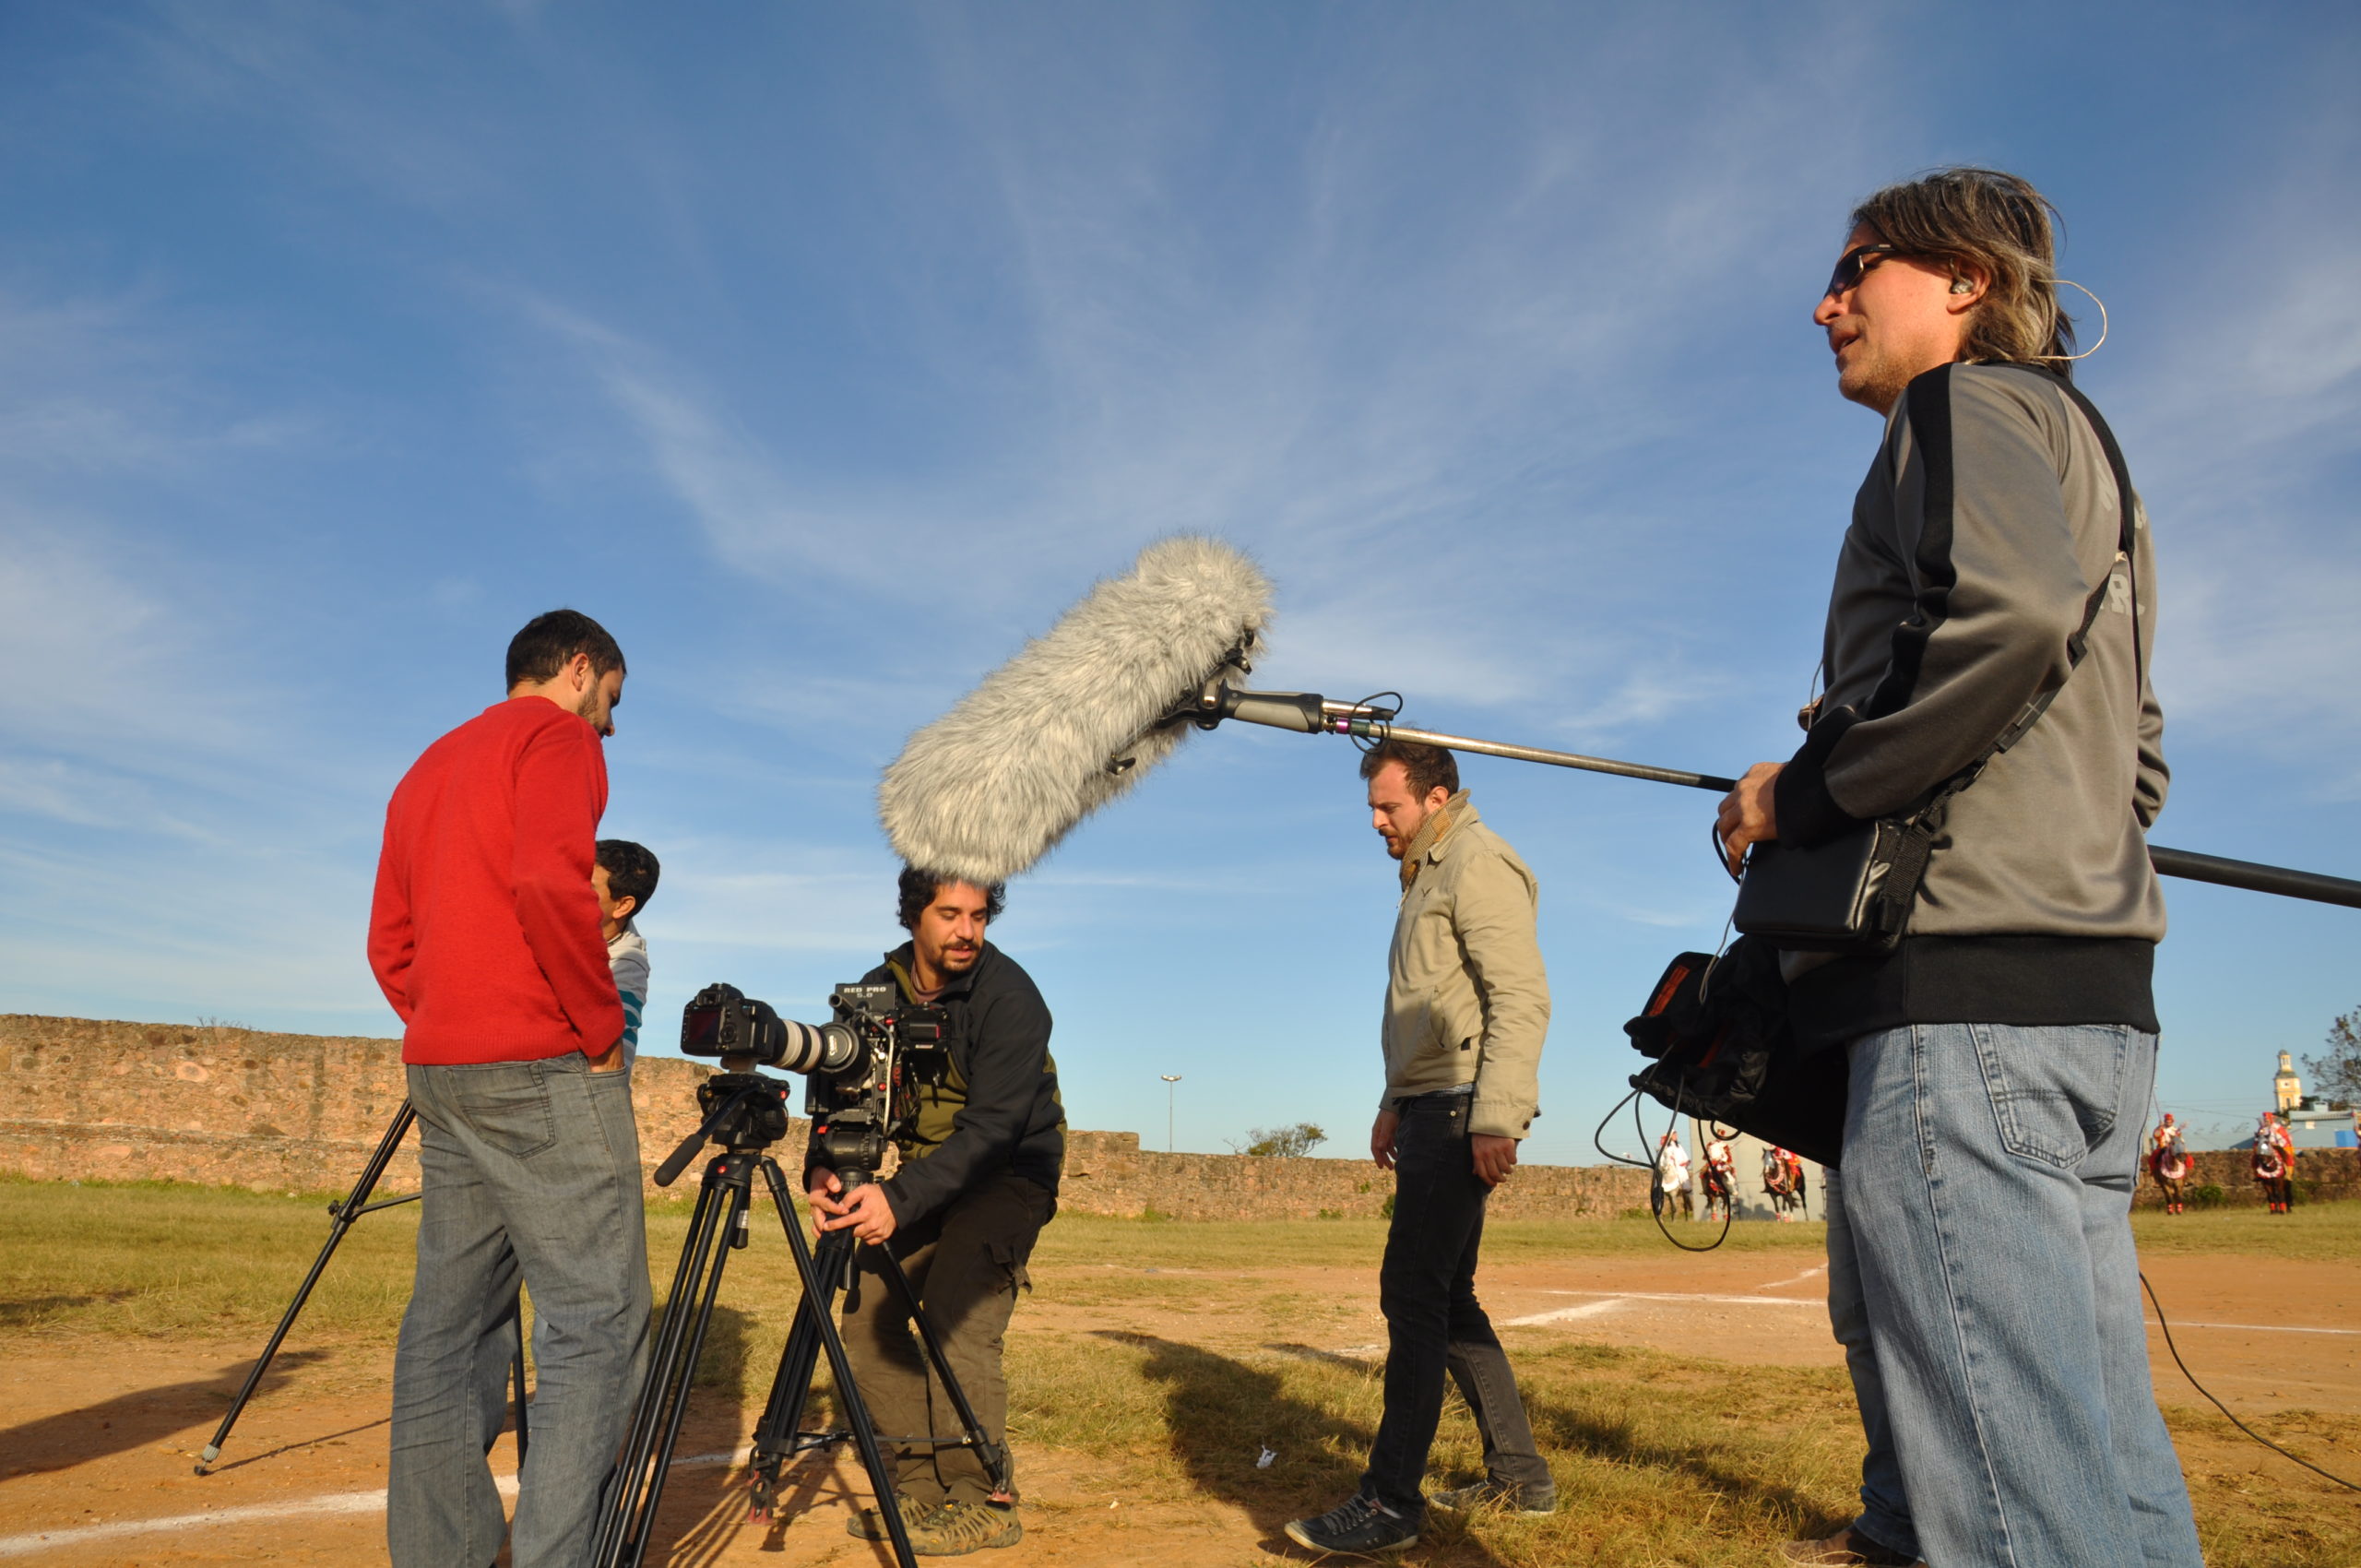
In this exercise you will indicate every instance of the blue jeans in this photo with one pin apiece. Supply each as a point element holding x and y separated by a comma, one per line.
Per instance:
<point>1885,1507</point>
<point>1435,1326</point>
<point>530,1172</point>
<point>1988,1175</point>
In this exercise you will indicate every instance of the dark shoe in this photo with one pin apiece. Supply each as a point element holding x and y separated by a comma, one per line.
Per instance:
<point>1506,1496</point>
<point>1847,1548</point>
<point>1360,1524</point>
<point>957,1528</point>
<point>870,1525</point>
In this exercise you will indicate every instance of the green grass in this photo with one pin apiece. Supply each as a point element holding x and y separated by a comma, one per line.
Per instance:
<point>2319,1233</point>
<point>157,1258</point>
<point>163,1257</point>
<point>1247,1245</point>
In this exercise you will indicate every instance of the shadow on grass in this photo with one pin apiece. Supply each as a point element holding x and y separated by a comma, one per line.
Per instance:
<point>136,1419</point>
<point>31,1311</point>
<point>1221,1414</point>
<point>1564,1428</point>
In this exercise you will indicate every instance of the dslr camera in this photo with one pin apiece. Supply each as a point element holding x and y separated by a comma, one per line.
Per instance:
<point>862,1068</point>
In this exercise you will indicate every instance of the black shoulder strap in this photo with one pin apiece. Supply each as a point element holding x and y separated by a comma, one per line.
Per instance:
<point>2079,643</point>
<point>2124,542</point>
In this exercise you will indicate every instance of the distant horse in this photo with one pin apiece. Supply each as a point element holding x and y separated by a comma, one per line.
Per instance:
<point>2168,1163</point>
<point>2272,1172</point>
<point>1717,1188</point>
<point>1783,1181</point>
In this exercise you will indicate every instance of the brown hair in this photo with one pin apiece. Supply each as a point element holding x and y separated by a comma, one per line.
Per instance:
<point>916,889</point>
<point>1996,225</point>
<point>1427,769</point>
<point>549,643</point>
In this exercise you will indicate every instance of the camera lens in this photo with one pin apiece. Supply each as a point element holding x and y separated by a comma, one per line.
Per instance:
<point>808,1047</point>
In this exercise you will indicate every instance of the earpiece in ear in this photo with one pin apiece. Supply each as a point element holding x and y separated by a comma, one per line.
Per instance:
<point>1962,286</point>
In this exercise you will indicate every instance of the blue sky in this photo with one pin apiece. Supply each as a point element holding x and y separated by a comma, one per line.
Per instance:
<point>826,352</point>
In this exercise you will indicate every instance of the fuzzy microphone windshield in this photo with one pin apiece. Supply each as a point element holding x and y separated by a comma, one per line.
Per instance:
<point>1075,717</point>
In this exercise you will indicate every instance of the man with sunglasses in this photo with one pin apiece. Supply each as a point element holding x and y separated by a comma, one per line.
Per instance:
<point>2001,1057</point>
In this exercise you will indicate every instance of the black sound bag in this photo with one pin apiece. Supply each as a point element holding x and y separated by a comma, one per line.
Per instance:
<point>1720,1050</point>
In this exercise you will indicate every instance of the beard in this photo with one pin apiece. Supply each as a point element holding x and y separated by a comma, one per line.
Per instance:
<point>1874,383</point>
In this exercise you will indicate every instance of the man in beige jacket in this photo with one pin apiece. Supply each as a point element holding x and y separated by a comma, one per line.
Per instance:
<point>1466,1006</point>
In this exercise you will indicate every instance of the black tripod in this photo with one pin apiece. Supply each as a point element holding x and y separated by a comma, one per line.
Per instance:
<point>344,1213</point>
<point>745,1113</point>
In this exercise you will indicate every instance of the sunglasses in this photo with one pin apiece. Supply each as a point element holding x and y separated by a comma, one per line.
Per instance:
<point>1852,265</point>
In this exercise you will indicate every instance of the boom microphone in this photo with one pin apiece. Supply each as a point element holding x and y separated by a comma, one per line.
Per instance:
<point>1309,713</point>
<point>1078,716</point>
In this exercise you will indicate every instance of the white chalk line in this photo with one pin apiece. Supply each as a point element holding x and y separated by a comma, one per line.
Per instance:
<point>2264,1327</point>
<point>1609,1300</point>
<point>334,1504</point>
<point>1684,1296</point>
<point>1798,1279</point>
<point>1565,1314</point>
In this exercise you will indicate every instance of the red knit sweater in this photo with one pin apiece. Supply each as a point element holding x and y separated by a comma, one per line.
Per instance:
<point>484,932</point>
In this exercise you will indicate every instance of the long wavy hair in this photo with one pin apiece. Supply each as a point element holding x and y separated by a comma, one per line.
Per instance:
<point>1998,226</point>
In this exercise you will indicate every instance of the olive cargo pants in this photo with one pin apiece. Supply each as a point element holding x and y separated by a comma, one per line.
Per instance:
<point>967,1264</point>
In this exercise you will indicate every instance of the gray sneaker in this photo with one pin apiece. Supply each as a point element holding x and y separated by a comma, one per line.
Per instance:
<point>870,1525</point>
<point>1507,1496</point>
<point>1358,1524</point>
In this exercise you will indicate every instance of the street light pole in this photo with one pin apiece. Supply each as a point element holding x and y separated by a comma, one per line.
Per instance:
<point>1169,1079</point>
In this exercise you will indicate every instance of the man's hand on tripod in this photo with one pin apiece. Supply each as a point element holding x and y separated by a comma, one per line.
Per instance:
<point>866,1211</point>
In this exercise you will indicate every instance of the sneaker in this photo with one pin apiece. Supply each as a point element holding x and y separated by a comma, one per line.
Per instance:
<point>1507,1496</point>
<point>1847,1548</point>
<point>1360,1524</point>
<point>957,1528</point>
<point>870,1525</point>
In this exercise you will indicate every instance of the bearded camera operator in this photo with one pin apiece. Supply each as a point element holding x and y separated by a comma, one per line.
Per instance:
<point>978,1180</point>
<point>2001,1057</point>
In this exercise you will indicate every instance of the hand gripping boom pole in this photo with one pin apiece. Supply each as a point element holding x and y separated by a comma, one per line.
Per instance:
<point>1310,714</point>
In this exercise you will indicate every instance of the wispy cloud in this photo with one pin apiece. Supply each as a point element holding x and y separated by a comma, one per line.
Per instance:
<point>2248,426</point>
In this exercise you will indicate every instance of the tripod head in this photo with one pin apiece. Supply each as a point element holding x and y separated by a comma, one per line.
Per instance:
<point>744,1112</point>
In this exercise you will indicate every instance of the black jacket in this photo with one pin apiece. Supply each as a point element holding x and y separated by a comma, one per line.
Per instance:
<point>998,1032</point>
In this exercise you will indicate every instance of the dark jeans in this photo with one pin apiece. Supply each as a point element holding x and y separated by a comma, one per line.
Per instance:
<point>966,1263</point>
<point>1434,1324</point>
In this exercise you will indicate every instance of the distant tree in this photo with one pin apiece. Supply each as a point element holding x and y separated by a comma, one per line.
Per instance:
<point>1282,1143</point>
<point>2336,1075</point>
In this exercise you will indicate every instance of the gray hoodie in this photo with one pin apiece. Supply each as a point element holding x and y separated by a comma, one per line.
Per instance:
<point>1986,520</point>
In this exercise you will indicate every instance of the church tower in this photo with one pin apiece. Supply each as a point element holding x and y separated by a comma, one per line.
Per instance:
<point>2287,1088</point>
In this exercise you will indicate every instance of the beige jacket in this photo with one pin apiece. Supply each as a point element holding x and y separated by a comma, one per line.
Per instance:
<point>1466,999</point>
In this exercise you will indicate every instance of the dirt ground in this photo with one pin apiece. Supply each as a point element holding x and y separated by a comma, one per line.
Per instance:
<point>96,1460</point>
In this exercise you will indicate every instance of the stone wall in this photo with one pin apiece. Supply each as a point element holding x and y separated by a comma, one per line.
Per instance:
<point>83,1099</point>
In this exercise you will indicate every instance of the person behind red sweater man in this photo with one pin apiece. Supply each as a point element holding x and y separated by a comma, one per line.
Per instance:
<point>485,937</point>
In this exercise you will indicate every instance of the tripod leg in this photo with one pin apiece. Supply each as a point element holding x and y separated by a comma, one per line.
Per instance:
<point>881,1478</point>
<point>345,1213</point>
<point>775,1435</point>
<point>636,1487</point>
<point>993,1455</point>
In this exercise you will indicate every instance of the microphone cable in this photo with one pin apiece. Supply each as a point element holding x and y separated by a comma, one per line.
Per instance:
<point>2233,1420</point>
<point>1632,1100</point>
<point>1380,731</point>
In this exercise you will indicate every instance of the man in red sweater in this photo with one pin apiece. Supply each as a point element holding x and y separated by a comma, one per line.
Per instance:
<point>485,935</point>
